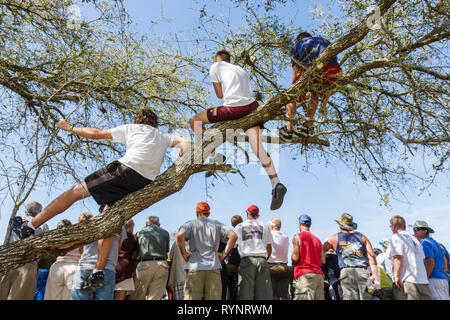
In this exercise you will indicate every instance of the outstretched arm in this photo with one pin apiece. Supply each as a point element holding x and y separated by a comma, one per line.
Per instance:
<point>181,143</point>
<point>90,133</point>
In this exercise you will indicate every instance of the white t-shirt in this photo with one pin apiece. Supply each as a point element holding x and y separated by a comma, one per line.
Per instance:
<point>413,267</point>
<point>253,237</point>
<point>280,247</point>
<point>145,145</point>
<point>235,82</point>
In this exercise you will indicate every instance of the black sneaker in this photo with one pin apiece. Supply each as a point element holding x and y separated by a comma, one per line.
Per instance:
<point>218,158</point>
<point>286,135</point>
<point>93,281</point>
<point>303,131</point>
<point>20,227</point>
<point>277,196</point>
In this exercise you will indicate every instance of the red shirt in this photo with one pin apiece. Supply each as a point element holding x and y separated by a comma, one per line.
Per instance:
<point>310,250</point>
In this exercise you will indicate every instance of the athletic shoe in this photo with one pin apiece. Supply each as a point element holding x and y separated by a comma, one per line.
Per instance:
<point>217,158</point>
<point>20,227</point>
<point>93,282</point>
<point>303,131</point>
<point>285,135</point>
<point>277,196</point>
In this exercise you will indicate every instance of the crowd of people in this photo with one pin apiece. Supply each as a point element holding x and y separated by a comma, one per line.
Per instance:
<point>209,260</point>
<point>247,261</point>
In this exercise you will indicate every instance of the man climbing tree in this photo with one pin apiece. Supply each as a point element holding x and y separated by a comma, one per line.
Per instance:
<point>145,150</point>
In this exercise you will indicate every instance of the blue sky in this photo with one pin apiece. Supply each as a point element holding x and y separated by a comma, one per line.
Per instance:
<point>324,193</point>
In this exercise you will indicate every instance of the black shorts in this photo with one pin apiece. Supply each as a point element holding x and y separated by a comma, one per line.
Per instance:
<point>113,182</point>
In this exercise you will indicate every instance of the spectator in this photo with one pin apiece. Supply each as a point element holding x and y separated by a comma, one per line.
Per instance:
<point>125,268</point>
<point>386,290</point>
<point>279,258</point>
<point>434,261</point>
<point>255,247</point>
<point>306,49</point>
<point>88,262</point>
<point>62,272</point>
<point>332,272</point>
<point>204,261</point>
<point>229,272</point>
<point>146,147</point>
<point>307,258</point>
<point>177,273</point>
<point>21,283</point>
<point>44,265</point>
<point>355,255</point>
<point>410,276</point>
<point>383,258</point>
<point>447,263</point>
<point>232,83</point>
<point>152,270</point>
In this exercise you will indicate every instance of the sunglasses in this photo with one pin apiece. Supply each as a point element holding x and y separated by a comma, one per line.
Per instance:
<point>418,229</point>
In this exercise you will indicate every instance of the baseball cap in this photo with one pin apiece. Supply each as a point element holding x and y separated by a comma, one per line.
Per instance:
<point>304,219</point>
<point>253,210</point>
<point>203,207</point>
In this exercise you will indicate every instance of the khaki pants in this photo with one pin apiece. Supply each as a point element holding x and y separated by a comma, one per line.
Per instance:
<point>413,291</point>
<point>254,281</point>
<point>354,284</point>
<point>203,283</point>
<point>19,284</point>
<point>151,280</point>
<point>60,280</point>
<point>309,286</point>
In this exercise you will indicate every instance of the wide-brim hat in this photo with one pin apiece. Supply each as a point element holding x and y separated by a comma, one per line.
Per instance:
<point>346,222</point>
<point>422,224</point>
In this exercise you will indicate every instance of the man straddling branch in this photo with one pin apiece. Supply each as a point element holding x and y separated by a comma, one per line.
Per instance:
<point>145,150</point>
<point>232,84</point>
<point>306,49</point>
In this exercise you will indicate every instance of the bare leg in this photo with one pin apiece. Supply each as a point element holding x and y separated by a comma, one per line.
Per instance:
<point>312,108</point>
<point>323,105</point>
<point>104,247</point>
<point>197,122</point>
<point>291,109</point>
<point>61,203</point>
<point>254,137</point>
<point>120,295</point>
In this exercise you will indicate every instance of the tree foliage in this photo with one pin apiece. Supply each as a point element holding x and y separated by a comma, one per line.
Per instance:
<point>390,103</point>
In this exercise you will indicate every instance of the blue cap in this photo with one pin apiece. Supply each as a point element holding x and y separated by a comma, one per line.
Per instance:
<point>304,219</point>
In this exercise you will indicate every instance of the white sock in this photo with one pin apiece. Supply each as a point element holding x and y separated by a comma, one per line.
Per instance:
<point>274,182</point>
<point>30,225</point>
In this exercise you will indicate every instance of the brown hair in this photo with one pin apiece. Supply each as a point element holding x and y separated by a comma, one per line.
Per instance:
<point>398,222</point>
<point>84,216</point>
<point>224,55</point>
<point>235,220</point>
<point>146,116</point>
<point>302,35</point>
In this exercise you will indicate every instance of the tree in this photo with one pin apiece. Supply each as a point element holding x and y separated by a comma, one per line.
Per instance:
<point>381,103</point>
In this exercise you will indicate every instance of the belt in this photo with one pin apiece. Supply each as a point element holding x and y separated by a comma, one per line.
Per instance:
<point>152,259</point>
<point>353,267</point>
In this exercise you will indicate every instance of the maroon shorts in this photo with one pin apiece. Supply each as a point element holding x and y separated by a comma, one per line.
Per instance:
<point>328,75</point>
<point>224,113</point>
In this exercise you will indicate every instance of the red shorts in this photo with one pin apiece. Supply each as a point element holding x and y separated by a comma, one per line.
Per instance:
<point>329,75</point>
<point>224,113</point>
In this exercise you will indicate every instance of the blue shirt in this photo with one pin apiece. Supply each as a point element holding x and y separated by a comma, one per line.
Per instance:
<point>432,249</point>
<point>351,250</point>
<point>308,49</point>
